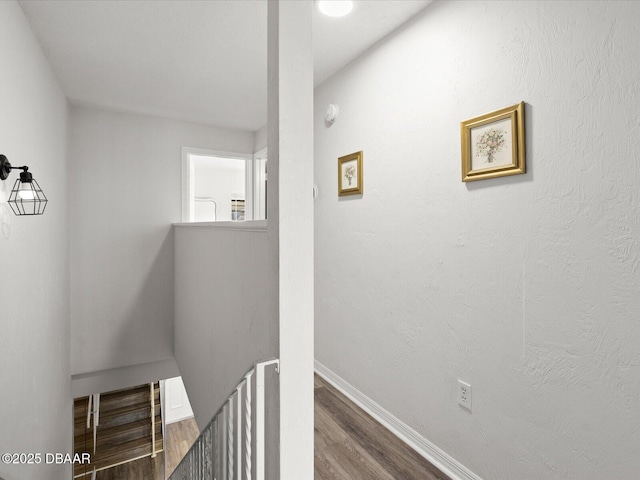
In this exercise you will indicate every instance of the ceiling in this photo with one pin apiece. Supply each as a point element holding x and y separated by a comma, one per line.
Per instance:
<point>199,61</point>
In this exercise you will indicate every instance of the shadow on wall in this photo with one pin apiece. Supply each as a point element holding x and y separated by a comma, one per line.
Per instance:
<point>149,323</point>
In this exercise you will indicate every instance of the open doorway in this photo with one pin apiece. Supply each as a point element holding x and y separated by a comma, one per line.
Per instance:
<point>181,429</point>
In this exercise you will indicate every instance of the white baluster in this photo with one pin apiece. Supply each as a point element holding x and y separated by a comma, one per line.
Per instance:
<point>238,430</point>
<point>247,426</point>
<point>89,411</point>
<point>230,440</point>
<point>223,434</point>
<point>96,420</point>
<point>153,422</point>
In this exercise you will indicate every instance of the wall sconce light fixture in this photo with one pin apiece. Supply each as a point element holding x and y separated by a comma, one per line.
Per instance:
<point>26,198</point>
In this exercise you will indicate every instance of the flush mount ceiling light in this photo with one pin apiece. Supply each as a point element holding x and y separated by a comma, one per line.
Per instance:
<point>26,198</point>
<point>335,8</point>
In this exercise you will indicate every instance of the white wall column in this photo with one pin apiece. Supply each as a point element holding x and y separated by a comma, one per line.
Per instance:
<point>290,219</point>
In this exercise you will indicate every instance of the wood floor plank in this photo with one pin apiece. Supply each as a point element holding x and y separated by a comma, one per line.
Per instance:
<point>350,442</point>
<point>179,438</point>
<point>327,431</point>
<point>341,450</point>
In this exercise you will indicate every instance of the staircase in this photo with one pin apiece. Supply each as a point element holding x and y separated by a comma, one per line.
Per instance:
<point>233,446</point>
<point>125,424</point>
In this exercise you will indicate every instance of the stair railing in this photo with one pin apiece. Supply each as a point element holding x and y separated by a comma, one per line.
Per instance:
<point>153,421</point>
<point>232,446</point>
<point>96,419</point>
<point>93,409</point>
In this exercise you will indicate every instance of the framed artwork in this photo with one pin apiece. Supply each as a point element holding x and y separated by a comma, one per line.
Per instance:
<point>350,174</point>
<point>493,144</point>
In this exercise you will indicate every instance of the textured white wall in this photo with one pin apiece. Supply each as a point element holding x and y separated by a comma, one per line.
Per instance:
<point>224,317</point>
<point>36,406</point>
<point>526,286</point>
<point>126,175</point>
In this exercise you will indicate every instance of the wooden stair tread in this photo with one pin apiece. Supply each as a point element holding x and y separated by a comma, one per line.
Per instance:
<point>116,399</point>
<point>126,391</point>
<point>106,417</point>
<point>124,452</point>
<point>123,415</point>
<point>135,450</point>
<point>124,432</point>
<point>83,443</point>
<point>115,402</point>
<point>139,428</point>
<point>135,444</point>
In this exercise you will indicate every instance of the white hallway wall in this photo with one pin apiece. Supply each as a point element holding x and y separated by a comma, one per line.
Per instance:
<point>526,286</point>
<point>225,319</point>
<point>126,175</point>
<point>36,407</point>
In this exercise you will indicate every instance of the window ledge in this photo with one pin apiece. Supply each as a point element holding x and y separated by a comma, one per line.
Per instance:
<point>248,225</point>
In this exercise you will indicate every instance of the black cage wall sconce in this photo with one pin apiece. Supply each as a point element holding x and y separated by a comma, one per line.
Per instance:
<point>26,198</point>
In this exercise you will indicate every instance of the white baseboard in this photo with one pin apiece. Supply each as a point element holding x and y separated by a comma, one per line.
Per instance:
<point>404,432</point>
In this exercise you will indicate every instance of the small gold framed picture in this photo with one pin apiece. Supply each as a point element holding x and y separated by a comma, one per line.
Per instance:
<point>350,174</point>
<point>493,144</point>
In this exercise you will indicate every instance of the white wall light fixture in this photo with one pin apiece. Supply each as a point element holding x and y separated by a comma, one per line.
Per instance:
<point>335,8</point>
<point>26,197</point>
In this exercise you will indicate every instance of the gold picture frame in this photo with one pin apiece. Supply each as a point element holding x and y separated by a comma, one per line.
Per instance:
<point>493,144</point>
<point>350,174</point>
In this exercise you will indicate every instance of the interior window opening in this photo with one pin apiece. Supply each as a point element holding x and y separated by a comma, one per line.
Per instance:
<point>223,187</point>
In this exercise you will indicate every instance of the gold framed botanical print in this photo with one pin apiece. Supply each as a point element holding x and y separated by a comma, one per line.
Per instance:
<point>350,174</point>
<point>493,145</point>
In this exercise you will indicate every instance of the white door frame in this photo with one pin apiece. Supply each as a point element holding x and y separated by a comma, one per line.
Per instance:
<point>259,184</point>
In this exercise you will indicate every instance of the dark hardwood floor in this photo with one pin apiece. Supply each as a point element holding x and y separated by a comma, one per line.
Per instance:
<point>351,445</point>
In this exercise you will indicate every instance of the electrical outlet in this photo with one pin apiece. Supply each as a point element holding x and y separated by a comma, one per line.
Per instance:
<point>464,394</point>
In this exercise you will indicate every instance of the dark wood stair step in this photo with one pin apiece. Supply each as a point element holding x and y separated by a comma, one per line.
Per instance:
<point>114,401</point>
<point>82,471</point>
<point>119,438</point>
<point>126,451</point>
<point>124,432</point>
<point>126,391</point>
<point>80,404</point>
<point>127,432</point>
<point>119,434</point>
<point>128,414</point>
<point>81,429</point>
<point>123,453</point>
<point>80,424</point>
